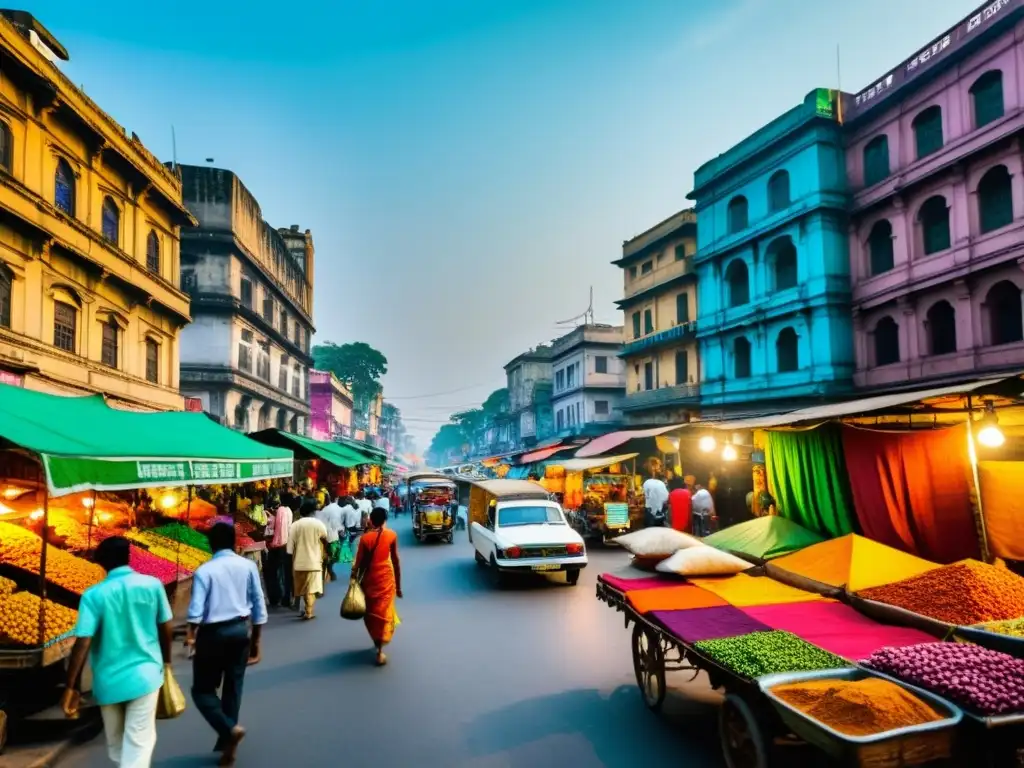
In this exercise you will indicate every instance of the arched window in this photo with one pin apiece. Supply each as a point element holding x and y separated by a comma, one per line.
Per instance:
<point>282,419</point>
<point>263,421</point>
<point>737,283</point>
<point>741,357</point>
<point>109,346</point>
<point>737,214</point>
<point>928,131</point>
<point>786,351</point>
<point>782,254</point>
<point>1005,318</point>
<point>941,319</point>
<point>6,147</point>
<point>778,191</point>
<point>111,223</point>
<point>880,249</point>
<point>241,417</point>
<point>65,326</point>
<point>876,160</point>
<point>293,425</point>
<point>153,253</point>
<point>995,199</point>
<point>6,296</point>
<point>152,361</point>
<point>934,218</point>
<point>64,187</point>
<point>987,95</point>
<point>887,342</point>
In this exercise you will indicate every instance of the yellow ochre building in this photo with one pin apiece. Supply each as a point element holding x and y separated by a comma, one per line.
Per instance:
<point>90,227</point>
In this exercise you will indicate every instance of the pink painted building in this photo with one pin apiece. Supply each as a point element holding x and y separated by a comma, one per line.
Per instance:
<point>935,163</point>
<point>330,405</point>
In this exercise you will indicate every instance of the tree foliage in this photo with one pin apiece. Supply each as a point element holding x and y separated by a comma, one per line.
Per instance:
<point>357,364</point>
<point>465,427</point>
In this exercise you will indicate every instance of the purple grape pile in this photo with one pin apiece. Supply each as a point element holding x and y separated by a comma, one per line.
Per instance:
<point>983,681</point>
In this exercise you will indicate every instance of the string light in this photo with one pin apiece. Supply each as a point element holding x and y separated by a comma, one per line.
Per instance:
<point>707,444</point>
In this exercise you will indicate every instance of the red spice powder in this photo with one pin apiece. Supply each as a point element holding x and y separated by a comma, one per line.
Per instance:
<point>968,592</point>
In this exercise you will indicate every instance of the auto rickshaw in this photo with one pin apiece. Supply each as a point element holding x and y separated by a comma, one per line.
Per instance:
<point>432,501</point>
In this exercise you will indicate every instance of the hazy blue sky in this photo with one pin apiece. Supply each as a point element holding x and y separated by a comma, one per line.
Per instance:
<point>469,168</point>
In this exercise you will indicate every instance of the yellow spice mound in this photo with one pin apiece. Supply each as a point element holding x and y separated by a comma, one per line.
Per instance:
<point>857,708</point>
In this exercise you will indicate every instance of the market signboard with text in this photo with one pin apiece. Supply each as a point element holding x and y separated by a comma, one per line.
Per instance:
<point>991,13</point>
<point>73,474</point>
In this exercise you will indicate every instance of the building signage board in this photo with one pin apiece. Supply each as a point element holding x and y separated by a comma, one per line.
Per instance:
<point>13,379</point>
<point>942,47</point>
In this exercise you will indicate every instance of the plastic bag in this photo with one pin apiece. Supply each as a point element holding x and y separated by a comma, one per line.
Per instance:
<point>171,701</point>
<point>354,605</point>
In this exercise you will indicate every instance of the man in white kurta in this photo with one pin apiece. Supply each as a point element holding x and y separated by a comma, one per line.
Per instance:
<point>306,541</point>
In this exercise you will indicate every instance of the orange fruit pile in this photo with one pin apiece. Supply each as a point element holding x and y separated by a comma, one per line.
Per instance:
<point>19,619</point>
<point>22,549</point>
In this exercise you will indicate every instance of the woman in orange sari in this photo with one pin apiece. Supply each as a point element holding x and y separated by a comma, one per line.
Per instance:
<point>377,559</point>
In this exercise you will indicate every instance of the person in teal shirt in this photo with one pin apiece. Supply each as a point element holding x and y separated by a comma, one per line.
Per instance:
<point>124,626</point>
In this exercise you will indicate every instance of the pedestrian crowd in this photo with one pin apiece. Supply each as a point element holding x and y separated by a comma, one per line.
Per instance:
<point>125,627</point>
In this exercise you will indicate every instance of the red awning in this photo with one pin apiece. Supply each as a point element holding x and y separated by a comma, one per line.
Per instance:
<point>543,453</point>
<point>613,440</point>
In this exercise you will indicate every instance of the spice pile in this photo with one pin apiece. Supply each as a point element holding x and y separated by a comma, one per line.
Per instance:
<point>1013,628</point>
<point>766,653</point>
<point>172,551</point>
<point>968,592</point>
<point>857,707</point>
<point>149,564</point>
<point>184,534</point>
<point>986,682</point>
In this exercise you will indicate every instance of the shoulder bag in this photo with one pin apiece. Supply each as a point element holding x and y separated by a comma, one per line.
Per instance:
<point>353,606</point>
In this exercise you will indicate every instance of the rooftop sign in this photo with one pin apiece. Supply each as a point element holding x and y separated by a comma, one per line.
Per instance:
<point>942,47</point>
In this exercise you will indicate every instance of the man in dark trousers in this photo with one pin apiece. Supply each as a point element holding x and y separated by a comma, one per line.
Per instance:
<point>226,597</point>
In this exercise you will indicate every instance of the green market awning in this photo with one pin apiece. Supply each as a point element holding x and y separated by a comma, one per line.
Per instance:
<point>373,454</point>
<point>338,454</point>
<point>86,445</point>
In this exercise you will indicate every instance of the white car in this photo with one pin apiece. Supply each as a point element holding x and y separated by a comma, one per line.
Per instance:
<point>526,535</point>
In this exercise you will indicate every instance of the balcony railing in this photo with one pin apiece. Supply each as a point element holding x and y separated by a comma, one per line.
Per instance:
<point>680,332</point>
<point>684,394</point>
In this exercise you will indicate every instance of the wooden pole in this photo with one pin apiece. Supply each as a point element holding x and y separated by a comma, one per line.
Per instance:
<point>979,510</point>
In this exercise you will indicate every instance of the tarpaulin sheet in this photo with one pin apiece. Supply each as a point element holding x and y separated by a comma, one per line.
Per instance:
<point>709,623</point>
<point>764,538</point>
<point>679,598</point>
<point>742,590</point>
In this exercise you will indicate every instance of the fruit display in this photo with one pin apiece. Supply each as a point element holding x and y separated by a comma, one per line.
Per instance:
<point>143,561</point>
<point>7,587</point>
<point>184,534</point>
<point>174,552</point>
<point>984,681</point>
<point>22,549</point>
<point>965,593</point>
<point>19,619</point>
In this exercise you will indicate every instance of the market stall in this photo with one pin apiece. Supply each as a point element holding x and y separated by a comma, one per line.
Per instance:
<point>601,496</point>
<point>341,468</point>
<point>73,471</point>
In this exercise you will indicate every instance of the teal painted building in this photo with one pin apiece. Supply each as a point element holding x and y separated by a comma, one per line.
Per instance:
<point>773,309</point>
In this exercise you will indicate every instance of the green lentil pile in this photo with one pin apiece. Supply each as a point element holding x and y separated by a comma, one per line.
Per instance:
<point>184,534</point>
<point>766,653</point>
<point>1014,627</point>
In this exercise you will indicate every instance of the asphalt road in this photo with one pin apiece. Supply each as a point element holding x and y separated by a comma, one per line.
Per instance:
<point>536,676</point>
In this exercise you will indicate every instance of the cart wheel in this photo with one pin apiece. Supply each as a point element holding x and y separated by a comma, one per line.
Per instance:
<point>649,666</point>
<point>740,734</point>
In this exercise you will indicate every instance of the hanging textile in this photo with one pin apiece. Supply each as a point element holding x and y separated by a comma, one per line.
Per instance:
<point>808,480</point>
<point>911,490</point>
<point>1003,503</point>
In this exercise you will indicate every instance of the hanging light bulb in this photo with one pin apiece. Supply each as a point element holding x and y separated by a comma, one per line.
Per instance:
<point>707,444</point>
<point>88,502</point>
<point>729,453</point>
<point>168,501</point>
<point>989,434</point>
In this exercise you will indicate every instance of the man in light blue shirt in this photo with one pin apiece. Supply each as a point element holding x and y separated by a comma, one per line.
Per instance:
<point>226,596</point>
<point>124,625</point>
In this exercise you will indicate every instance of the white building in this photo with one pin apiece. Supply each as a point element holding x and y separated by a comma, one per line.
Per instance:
<point>246,355</point>
<point>589,379</point>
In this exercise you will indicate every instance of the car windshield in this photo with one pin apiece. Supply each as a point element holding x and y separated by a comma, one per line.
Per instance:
<point>509,516</point>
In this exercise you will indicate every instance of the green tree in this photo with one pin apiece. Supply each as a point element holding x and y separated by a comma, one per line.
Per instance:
<point>495,402</point>
<point>449,439</point>
<point>357,364</point>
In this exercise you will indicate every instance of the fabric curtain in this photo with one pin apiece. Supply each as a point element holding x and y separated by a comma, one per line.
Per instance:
<point>807,477</point>
<point>911,490</point>
<point>1003,503</point>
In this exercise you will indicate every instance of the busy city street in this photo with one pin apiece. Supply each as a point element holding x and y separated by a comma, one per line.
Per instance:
<point>533,676</point>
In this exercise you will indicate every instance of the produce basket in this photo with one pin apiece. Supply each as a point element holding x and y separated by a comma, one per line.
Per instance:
<point>912,745</point>
<point>978,634</point>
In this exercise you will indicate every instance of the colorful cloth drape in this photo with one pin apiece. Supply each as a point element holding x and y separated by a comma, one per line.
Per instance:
<point>911,490</point>
<point>1003,503</point>
<point>807,477</point>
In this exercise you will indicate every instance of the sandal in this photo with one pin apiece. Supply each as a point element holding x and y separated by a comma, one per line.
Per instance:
<point>382,660</point>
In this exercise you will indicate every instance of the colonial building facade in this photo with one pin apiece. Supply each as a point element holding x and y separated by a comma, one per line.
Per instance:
<point>937,228</point>
<point>90,225</point>
<point>773,267</point>
<point>246,355</point>
<point>660,334</point>
<point>588,379</point>
<point>529,397</point>
<point>330,403</point>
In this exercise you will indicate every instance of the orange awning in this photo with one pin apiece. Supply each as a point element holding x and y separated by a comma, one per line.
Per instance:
<point>613,440</point>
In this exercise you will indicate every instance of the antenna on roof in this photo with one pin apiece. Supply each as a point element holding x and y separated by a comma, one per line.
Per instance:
<point>587,316</point>
<point>174,150</point>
